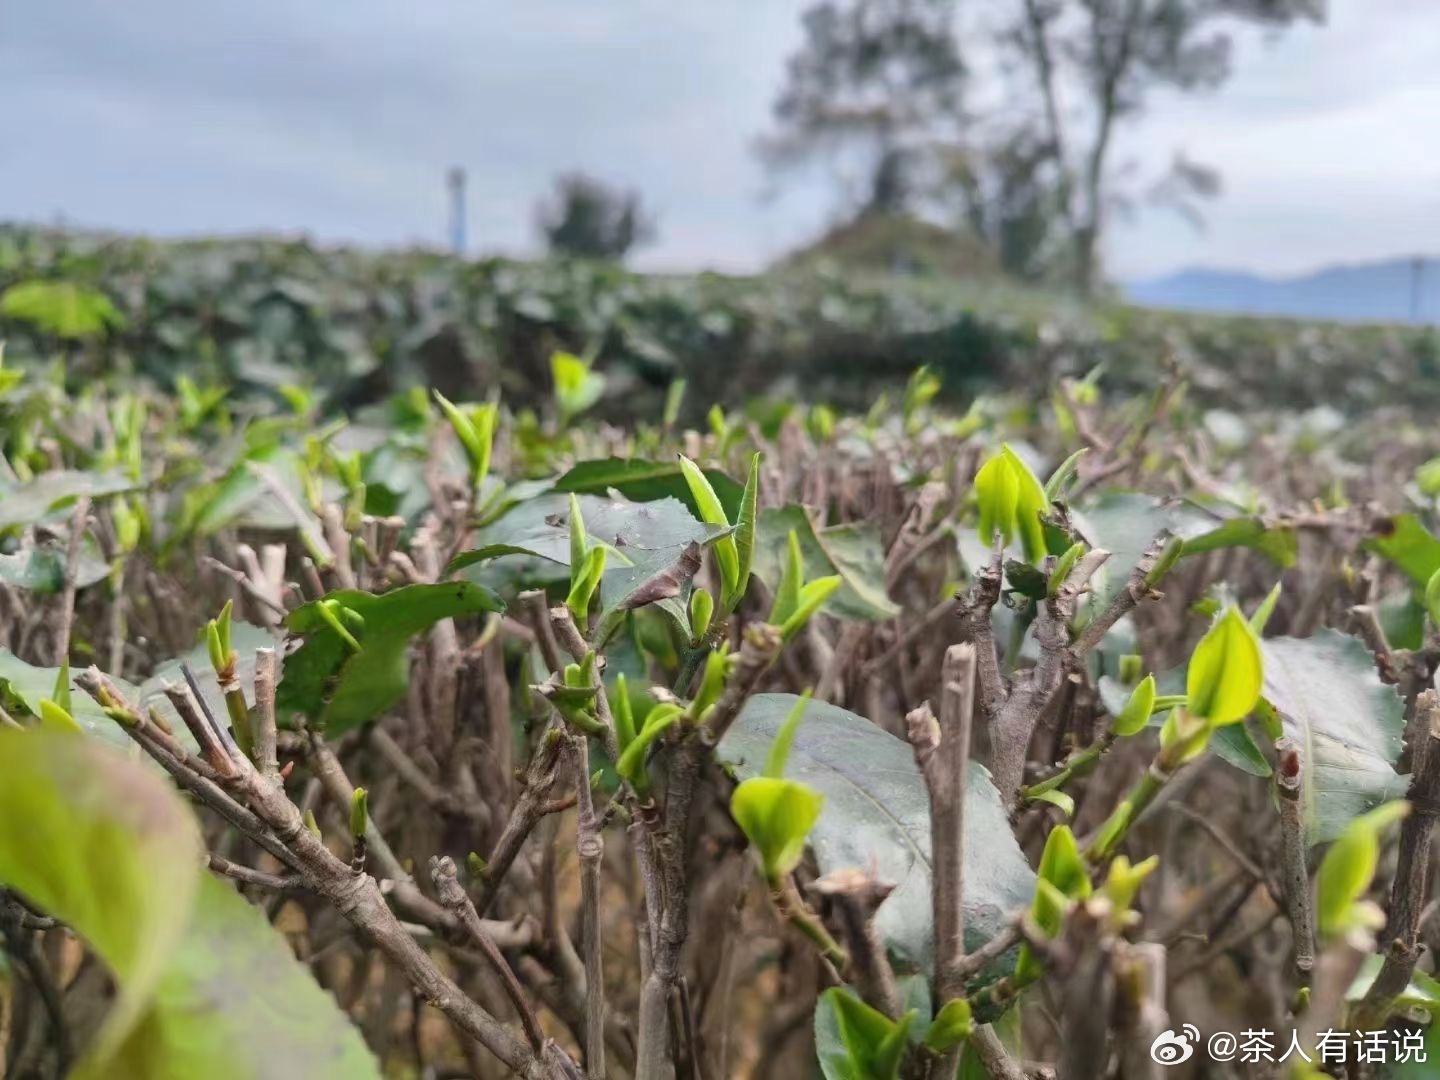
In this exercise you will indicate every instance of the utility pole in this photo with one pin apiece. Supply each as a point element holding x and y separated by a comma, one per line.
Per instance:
<point>1417,287</point>
<point>455,180</point>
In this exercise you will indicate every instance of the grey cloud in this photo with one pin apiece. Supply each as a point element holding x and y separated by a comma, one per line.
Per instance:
<point>340,119</point>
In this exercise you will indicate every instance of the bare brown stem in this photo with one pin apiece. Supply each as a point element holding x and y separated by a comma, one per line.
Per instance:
<point>1412,871</point>
<point>1289,785</point>
<point>452,895</point>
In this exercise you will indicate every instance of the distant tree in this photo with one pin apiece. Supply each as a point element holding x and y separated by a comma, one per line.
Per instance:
<point>591,219</point>
<point>1092,63</point>
<point>883,80</point>
<point>873,87</point>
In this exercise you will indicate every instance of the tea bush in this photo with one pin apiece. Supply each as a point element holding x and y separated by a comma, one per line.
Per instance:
<point>451,739</point>
<point>355,327</point>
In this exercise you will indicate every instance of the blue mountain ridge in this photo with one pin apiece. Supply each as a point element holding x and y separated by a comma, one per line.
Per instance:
<point>1382,291</point>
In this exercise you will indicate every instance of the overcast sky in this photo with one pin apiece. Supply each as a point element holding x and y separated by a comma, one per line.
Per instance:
<point>340,118</point>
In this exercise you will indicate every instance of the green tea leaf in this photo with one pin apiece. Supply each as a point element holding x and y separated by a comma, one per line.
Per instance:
<point>338,689</point>
<point>1138,707</point>
<point>1226,672</point>
<point>62,308</point>
<point>877,815</point>
<point>854,552</point>
<point>1346,722</point>
<point>776,816</point>
<point>1011,503</point>
<point>231,977</point>
<point>1410,546</point>
<point>104,845</point>
<point>648,481</point>
<point>1349,867</point>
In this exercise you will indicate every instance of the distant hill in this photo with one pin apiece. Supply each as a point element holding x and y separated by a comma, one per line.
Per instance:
<point>1369,292</point>
<point>897,243</point>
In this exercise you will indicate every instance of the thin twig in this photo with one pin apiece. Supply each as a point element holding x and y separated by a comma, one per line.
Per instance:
<point>1412,871</point>
<point>942,751</point>
<point>249,876</point>
<point>263,716</point>
<point>1289,785</point>
<point>453,896</point>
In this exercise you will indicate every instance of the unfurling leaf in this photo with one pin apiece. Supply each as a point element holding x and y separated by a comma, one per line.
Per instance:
<point>1183,737</point>
<point>218,640</point>
<point>1226,671</point>
<point>812,597</point>
<point>576,386</point>
<point>792,577</point>
<point>1136,713</point>
<point>1165,562</point>
<point>1056,798</point>
<point>1011,503</point>
<point>1261,614</point>
<point>1063,876</point>
<point>1055,486</point>
<point>784,737</point>
<point>1123,881</point>
<point>1062,865</point>
<point>952,1025</point>
<point>776,816</point>
<point>702,609</point>
<point>1063,566</point>
<point>359,811</point>
<point>727,557</point>
<point>585,583</point>
<point>579,542</point>
<point>744,539</point>
<point>620,709</point>
<point>712,682</point>
<point>1427,477</point>
<point>631,765</point>
<point>674,397</point>
<point>475,428</point>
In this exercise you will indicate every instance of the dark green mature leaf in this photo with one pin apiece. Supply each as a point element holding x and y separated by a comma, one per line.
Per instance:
<point>644,542</point>
<point>101,843</point>
<point>231,977</point>
<point>877,815</point>
<point>852,551</point>
<point>1402,617</point>
<point>55,491</point>
<point>1410,546</point>
<point>645,481</point>
<point>1126,523</point>
<point>1347,723</point>
<point>338,689</point>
